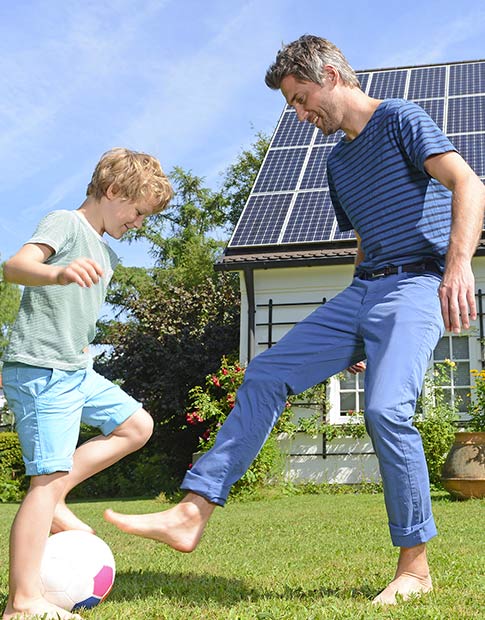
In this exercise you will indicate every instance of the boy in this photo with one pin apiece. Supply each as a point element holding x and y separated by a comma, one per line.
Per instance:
<point>48,379</point>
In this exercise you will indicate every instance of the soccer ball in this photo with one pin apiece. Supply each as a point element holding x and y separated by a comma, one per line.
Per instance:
<point>78,570</point>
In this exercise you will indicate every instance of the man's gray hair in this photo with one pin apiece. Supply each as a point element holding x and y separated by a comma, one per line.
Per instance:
<point>305,59</point>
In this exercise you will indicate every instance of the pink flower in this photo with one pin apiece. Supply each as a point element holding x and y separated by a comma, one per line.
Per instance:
<point>225,371</point>
<point>216,381</point>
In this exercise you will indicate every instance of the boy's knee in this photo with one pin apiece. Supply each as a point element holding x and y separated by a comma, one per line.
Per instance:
<point>139,427</point>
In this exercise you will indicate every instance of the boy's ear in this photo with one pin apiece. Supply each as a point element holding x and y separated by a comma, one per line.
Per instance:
<point>112,191</point>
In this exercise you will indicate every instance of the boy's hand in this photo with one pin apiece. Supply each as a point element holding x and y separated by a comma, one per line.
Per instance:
<point>356,368</point>
<point>82,271</point>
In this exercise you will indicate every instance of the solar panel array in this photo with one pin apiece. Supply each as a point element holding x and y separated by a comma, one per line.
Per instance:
<point>290,202</point>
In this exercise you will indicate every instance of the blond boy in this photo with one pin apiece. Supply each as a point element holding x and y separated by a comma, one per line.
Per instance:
<point>48,376</point>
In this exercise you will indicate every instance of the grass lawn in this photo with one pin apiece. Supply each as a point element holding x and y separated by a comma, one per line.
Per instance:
<point>306,557</point>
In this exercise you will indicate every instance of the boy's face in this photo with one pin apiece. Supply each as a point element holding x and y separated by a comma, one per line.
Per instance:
<point>122,215</point>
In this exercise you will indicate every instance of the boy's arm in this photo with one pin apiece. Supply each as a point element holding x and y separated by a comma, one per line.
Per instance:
<point>359,257</point>
<point>27,267</point>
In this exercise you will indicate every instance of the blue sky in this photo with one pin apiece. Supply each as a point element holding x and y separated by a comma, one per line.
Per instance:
<point>181,79</point>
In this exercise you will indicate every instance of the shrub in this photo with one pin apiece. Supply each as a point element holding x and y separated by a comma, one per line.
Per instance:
<point>476,408</point>
<point>142,473</point>
<point>435,421</point>
<point>210,406</point>
<point>13,481</point>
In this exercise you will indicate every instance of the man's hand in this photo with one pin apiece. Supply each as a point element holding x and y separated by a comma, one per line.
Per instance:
<point>457,296</point>
<point>82,271</point>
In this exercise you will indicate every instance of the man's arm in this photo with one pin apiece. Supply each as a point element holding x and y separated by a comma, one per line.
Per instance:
<point>457,290</point>
<point>27,267</point>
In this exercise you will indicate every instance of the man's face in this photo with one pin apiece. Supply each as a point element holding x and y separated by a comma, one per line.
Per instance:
<point>312,102</point>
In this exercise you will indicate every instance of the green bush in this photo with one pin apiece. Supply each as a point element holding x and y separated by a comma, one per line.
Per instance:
<point>476,423</point>
<point>210,406</point>
<point>13,481</point>
<point>435,421</point>
<point>139,474</point>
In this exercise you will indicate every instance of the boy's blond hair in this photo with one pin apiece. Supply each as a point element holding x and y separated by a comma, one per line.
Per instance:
<point>133,176</point>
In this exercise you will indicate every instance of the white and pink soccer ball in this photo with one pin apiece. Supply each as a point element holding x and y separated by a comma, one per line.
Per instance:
<point>78,570</point>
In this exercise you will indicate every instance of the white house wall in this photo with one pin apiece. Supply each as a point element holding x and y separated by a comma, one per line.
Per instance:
<point>312,284</point>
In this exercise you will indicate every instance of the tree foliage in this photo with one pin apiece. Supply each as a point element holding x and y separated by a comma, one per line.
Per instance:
<point>10,295</point>
<point>240,177</point>
<point>180,317</point>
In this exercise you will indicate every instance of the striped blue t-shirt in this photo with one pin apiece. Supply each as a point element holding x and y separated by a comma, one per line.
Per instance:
<point>379,187</point>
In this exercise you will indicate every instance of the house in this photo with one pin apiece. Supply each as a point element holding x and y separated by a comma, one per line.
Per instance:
<point>291,256</point>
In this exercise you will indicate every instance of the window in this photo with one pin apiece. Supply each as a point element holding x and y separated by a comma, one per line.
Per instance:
<point>458,379</point>
<point>351,393</point>
<point>346,394</point>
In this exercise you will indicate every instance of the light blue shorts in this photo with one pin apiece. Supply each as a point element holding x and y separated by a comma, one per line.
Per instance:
<point>49,404</point>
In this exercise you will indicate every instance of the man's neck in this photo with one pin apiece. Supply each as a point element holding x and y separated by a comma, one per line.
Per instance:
<point>360,108</point>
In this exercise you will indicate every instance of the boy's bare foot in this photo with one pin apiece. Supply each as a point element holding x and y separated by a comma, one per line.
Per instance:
<point>180,527</point>
<point>40,608</point>
<point>405,586</point>
<point>64,519</point>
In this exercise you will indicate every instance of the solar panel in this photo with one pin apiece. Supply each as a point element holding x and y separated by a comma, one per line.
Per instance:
<point>388,84</point>
<point>293,133</point>
<point>364,80</point>
<point>466,114</point>
<point>262,220</point>
<point>435,108</point>
<point>425,82</point>
<point>281,170</point>
<point>472,148</point>
<point>311,218</point>
<point>467,79</point>
<point>315,175</point>
<point>290,203</point>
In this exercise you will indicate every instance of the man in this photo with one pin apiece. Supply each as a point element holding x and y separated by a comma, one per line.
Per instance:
<point>417,210</point>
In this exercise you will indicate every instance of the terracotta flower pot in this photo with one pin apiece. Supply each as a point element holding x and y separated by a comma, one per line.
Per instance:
<point>463,473</point>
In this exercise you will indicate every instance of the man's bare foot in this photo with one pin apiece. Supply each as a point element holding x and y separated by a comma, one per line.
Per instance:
<point>64,519</point>
<point>180,527</point>
<point>40,608</point>
<point>411,578</point>
<point>405,586</point>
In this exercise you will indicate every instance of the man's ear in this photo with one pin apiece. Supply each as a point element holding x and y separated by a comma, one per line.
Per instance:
<point>330,74</point>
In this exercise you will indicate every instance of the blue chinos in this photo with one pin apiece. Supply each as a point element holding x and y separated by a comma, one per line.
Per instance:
<point>395,323</point>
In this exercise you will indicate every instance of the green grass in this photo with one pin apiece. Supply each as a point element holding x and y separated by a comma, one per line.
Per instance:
<point>306,557</point>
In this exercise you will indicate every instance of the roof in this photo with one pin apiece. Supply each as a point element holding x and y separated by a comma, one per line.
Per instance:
<point>288,219</point>
<point>276,256</point>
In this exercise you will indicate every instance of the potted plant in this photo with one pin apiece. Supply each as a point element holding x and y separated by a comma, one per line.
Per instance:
<point>464,469</point>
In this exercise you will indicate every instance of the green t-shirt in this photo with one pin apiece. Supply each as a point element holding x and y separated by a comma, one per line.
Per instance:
<point>55,323</point>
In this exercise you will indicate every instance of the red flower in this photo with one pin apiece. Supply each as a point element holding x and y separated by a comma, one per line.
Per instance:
<point>225,371</point>
<point>193,418</point>
<point>206,435</point>
<point>216,381</point>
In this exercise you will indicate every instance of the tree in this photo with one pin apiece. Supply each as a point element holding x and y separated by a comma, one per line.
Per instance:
<point>10,295</point>
<point>180,317</point>
<point>240,177</point>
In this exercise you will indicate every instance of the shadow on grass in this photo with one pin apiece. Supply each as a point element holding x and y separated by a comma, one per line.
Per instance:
<point>194,588</point>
